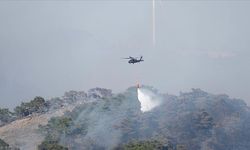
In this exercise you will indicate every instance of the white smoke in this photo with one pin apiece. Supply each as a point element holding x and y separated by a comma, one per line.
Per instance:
<point>147,99</point>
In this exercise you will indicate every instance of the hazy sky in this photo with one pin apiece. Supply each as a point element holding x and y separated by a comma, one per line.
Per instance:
<point>47,48</point>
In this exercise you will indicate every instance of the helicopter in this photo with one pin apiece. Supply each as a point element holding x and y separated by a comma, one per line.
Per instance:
<point>134,60</point>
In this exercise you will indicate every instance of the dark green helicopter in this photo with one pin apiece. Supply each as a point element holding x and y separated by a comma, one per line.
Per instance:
<point>134,60</point>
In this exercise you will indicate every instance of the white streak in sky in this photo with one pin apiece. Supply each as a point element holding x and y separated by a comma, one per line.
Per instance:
<point>153,21</point>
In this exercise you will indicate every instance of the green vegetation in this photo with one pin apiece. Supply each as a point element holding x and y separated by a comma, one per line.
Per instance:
<point>51,145</point>
<point>146,145</point>
<point>187,121</point>
<point>5,116</point>
<point>37,105</point>
<point>3,145</point>
<point>193,120</point>
<point>56,127</point>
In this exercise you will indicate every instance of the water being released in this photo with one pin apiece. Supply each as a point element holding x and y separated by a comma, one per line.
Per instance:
<point>147,99</point>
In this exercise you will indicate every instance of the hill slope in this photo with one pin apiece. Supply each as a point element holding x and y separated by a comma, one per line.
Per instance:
<point>192,120</point>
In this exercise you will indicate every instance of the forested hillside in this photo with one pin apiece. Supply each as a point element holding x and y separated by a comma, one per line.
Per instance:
<point>103,120</point>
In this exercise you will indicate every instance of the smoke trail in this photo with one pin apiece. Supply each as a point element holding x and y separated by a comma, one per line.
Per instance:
<point>153,22</point>
<point>147,99</point>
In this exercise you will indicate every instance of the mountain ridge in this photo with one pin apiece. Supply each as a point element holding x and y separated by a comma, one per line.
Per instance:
<point>100,119</point>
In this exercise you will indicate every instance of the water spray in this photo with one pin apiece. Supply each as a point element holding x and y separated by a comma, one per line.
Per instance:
<point>147,99</point>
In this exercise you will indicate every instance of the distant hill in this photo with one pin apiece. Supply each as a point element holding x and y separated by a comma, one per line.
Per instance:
<point>99,119</point>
